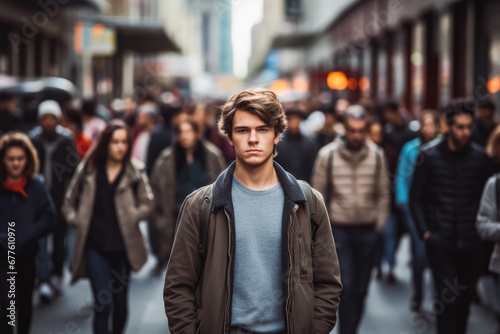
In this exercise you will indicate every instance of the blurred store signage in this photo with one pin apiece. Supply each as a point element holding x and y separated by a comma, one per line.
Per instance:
<point>95,39</point>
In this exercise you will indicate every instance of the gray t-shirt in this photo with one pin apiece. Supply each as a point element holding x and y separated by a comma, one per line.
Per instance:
<point>257,302</point>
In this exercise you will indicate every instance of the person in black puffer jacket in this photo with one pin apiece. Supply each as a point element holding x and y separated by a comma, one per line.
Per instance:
<point>444,200</point>
<point>26,214</point>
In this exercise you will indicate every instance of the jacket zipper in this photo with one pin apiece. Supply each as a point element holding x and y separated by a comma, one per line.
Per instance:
<point>227,314</point>
<point>288,299</point>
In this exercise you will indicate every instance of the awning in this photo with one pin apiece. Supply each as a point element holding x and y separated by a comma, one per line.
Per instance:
<point>142,36</point>
<point>293,40</point>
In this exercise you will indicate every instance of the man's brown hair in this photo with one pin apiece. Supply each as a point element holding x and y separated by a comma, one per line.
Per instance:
<point>258,101</point>
<point>20,140</point>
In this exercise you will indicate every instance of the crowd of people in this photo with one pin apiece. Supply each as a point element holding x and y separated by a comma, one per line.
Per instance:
<point>78,184</point>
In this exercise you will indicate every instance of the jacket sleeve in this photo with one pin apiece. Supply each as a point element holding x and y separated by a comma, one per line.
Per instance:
<point>72,195</point>
<point>184,266</point>
<point>46,214</point>
<point>327,284</point>
<point>417,192</point>
<point>319,176</point>
<point>404,171</point>
<point>145,199</point>
<point>384,195</point>
<point>487,223</point>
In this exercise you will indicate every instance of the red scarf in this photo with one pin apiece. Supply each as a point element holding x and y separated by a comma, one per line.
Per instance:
<point>17,187</point>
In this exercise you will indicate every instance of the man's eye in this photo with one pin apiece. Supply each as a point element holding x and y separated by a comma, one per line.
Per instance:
<point>241,131</point>
<point>263,130</point>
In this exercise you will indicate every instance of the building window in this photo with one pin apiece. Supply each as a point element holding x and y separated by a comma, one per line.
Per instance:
<point>293,10</point>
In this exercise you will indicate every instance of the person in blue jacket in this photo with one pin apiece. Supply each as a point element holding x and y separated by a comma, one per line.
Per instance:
<point>407,161</point>
<point>27,213</point>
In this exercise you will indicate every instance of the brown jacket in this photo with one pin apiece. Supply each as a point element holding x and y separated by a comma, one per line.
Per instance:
<point>360,190</point>
<point>163,175</point>
<point>133,200</point>
<point>200,302</point>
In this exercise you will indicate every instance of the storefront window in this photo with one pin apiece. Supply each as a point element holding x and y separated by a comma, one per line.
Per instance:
<point>444,59</point>
<point>494,77</point>
<point>417,65</point>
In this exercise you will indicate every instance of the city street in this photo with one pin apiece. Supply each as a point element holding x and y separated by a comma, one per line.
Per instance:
<point>387,309</point>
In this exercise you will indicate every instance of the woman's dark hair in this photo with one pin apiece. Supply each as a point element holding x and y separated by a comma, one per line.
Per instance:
<point>89,107</point>
<point>75,118</point>
<point>180,153</point>
<point>99,155</point>
<point>20,140</point>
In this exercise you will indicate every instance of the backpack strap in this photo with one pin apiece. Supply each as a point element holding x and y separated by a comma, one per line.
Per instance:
<point>497,190</point>
<point>206,210</point>
<point>311,207</point>
<point>329,176</point>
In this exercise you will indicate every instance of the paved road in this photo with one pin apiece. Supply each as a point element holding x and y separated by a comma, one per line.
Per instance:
<point>387,309</point>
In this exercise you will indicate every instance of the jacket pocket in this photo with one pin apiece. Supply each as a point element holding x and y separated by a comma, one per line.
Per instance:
<point>305,265</point>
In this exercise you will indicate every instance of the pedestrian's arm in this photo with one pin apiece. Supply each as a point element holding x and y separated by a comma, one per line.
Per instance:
<point>183,271</point>
<point>417,193</point>
<point>145,199</point>
<point>327,285</point>
<point>45,215</point>
<point>403,174</point>
<point>487,223</point>
<point>72,196</point>
<point>384,193</point>
<point>319,177</point>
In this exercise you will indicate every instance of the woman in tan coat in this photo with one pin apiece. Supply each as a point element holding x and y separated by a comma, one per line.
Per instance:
<point>106,200</point>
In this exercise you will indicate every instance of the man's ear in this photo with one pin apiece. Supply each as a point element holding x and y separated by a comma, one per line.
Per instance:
<point>277,139</point>
<point>230,141</point>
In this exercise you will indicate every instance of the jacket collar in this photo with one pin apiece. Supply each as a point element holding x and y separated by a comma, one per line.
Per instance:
<point>223,184</point>
<point>130,175</point>
<point>353,157</point>
<point>443,146</point>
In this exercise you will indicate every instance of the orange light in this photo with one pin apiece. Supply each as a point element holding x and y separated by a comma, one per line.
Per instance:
<point>494,85</point>
<point>279,85</point>
<point>78,37</point>
<point>352,84</point>
<point>99,29</point>
<point>300,84</point>
<point>364,84</point>
<point>337,80</point>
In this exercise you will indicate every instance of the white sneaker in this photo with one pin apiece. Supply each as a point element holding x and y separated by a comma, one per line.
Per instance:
<point>46,292</point>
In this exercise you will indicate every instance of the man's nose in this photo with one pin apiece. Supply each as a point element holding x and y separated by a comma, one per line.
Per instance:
<point>253,136</point>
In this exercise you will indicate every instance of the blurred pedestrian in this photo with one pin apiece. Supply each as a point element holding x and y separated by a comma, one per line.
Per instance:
<point>162,135</point>
<point>8,120</point>
<point>27,213</point>
<point>146,122</point>
<point>188,164</point>
<point>211,132</point>
<point>351,174</point>
<point>484,123</point>
<point>326,134</point>
<point>444,200</point>
<point>75,125</point>
<point>107,198</point>
<point>297,151</point>
<point>429,130</point>
<point>265,268</point>
<point>397,132</point>
<point>58,160</point>
<point>92,124</point>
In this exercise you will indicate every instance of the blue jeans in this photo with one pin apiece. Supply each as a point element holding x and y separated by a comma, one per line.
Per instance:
<point>390,240</point>
<point>417,253</point>
<point>356,252</point>
<point>109,274</point>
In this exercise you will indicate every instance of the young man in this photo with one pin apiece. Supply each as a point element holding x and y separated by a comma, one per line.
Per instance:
<point>351,173</point>
<point>485,122</point>
<point>58,161</point>
<point>444,201</point>
<point>26,214</point>
<point>268,268</point>
<point>297,151</point>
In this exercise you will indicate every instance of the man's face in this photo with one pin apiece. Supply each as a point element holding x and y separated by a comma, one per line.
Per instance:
<point>15,162</point>
<point>429,128</point>
<point>9,105</point>
<point>355,133</point>
<point>187,137</point>
<point>376,133</point>
<point>118,145</point>
<point>461,130</point>
<point>252,139</point>
<point>294,124</point>
<point>49,123</point>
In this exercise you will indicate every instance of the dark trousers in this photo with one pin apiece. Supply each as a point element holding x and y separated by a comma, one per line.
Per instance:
<point>109,274</point>
<point>154,242</point>
<point>455,275</point>
<point>59,248</point>
<point>24,284</point>
<point>356,252</point>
